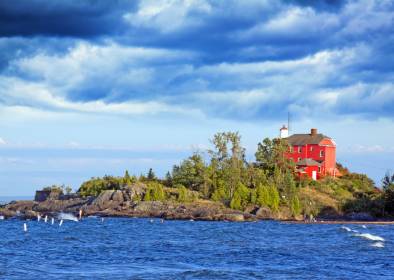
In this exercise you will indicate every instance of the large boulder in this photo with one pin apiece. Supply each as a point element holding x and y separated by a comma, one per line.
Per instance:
<point>104,200</point>
<point>234,217</point>
<point>117,196</point>
<point>264,213</point>
<point>43,195</point>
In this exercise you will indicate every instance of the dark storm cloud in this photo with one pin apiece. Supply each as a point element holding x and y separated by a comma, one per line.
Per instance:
<point>62,18</point>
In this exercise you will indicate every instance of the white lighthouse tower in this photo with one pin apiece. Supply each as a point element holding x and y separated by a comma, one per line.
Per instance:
<point>284,132</point>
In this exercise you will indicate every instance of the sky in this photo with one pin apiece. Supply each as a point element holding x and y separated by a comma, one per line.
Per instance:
<point>89,88</point>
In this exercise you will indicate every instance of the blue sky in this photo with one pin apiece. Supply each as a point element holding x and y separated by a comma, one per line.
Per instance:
<point>89,88</point>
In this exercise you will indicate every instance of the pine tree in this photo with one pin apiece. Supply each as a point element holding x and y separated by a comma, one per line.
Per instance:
<point>295,206</point>
<point>236,202</point>
<point>127,179</point>
<point>151,175</point>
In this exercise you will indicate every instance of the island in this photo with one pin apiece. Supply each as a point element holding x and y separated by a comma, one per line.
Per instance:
<point>220,185</point>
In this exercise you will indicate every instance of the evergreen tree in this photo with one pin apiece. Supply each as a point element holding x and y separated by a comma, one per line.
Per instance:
<point>274,198</point>
<point>295,206</point>
<point>151,175</point>
<point>127,179</point>
<point>236,202</point>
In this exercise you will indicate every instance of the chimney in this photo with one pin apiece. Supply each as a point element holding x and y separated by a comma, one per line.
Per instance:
<point>313,131</point>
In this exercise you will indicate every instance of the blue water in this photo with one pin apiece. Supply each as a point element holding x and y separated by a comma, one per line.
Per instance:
<point>138,249</point>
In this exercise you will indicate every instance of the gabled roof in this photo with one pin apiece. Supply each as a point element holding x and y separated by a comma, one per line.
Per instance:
<point>305,139</point>
<point>308,162</point>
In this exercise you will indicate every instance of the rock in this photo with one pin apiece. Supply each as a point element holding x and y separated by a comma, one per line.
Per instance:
<point>252,209</point>
<point>117,196</point>
<point>264,213</point>
<point>47,195</point>
<point>361,216</point>
<point>103,201</point>
<point>7,213</point>
<point>234,217</point>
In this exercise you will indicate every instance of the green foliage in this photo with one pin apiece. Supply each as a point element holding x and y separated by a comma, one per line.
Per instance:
<point>263,198</point>
<point>54,188</point>
<point>295,206</point>
<point>274,198</point>
<point>154,192</point>
<point>220,193</point>
<point>190,173</point>
<point>236,202</point>
<point>151,176</point>
<point>127,179</point>
<point>95,186</point>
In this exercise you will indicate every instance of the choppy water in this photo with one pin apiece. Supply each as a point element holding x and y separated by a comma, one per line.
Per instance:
<point>139,249</point>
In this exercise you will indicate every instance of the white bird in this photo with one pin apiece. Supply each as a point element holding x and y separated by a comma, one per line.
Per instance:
<point>38,217</point>
<point>25,227</point>
<point>61,222</point>
<point>53,221</point>
<point>46,218</point>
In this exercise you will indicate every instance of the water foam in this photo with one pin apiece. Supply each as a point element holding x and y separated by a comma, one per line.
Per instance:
<point>370,236</point>
<point>378,245</point>
<point>67,216</point>
<point>346,228</point>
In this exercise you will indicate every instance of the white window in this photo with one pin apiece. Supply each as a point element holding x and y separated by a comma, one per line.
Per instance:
<point>299,149</point>
<point>311,149</point>
<point>291,149</point>
<point>321,153</point>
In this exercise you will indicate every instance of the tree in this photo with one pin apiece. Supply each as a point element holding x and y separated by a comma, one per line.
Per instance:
<point>388,188</point>
<point>127,179</point>
<point>388,181</point>
<point>227,161</point>
<point>168,179</point>
<point>270,155</point>
<point>236,202</point>
<point>263,198</point>
<point>190,173</point>
<point>274,198</point>
<point>151,175</point>
<point>182,194</point>
<point>295,206</point>
<point>68,189</point>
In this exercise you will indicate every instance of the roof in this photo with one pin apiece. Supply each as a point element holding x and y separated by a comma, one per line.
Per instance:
<point>305,139</point>
<point>308,162</point>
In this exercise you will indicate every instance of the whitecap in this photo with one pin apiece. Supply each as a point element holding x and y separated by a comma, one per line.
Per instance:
<point>2,217</point>
<point>364,226</point>
<point>378,244</point>
<point>370,236</point>
<point>346,228</point>
<point>67,216</point>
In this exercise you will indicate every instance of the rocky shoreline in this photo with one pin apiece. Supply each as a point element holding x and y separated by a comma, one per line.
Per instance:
<point>120,203</point>
<point>123,203</point>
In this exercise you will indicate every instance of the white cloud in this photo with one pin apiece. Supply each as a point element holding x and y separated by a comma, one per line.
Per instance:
<point>168,15</point>
<point>2,141</point>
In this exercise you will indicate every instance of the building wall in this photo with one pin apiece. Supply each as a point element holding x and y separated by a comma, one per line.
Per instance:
<point>324,151</point>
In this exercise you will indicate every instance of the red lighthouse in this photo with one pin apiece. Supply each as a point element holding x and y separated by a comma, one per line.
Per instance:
<point>313,153</point>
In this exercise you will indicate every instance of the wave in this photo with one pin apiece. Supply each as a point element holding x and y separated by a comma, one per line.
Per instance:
<point>67,216</point>
<point>378,244</point>
<point>346,228</point>
<point>370,236</point>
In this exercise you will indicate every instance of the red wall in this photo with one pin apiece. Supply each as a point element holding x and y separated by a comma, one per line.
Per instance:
<point>313,152</point>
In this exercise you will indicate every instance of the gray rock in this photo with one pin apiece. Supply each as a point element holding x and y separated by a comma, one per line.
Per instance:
<point>264,213</point>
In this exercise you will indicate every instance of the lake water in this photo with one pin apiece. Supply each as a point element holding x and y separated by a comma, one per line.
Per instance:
<point>120,248</point>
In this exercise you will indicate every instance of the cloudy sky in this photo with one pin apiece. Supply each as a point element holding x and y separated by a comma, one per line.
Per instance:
<point>89,88</point>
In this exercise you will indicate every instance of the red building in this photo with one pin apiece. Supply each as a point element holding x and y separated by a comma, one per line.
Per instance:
<point>313,153</point>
